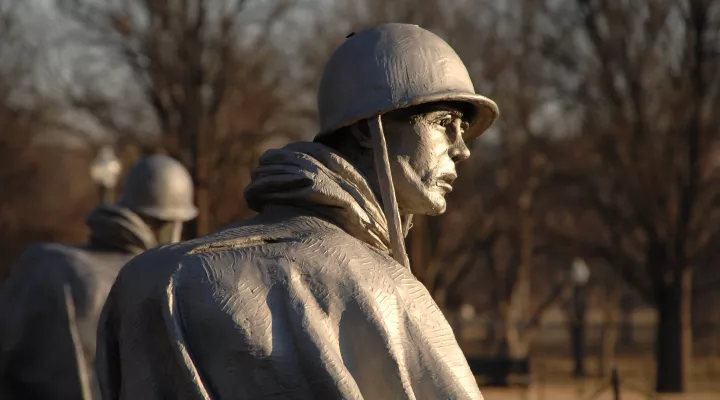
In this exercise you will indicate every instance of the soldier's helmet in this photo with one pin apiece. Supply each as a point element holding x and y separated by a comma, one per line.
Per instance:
<point>160,187</point>
<point>394,66</point>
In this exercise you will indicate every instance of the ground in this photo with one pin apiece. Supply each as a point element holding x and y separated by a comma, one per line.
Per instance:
<point>569,392</point>
<point>551,382</point>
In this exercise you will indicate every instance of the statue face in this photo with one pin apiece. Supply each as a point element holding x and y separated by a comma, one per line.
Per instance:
<point>424,144</point>
<point>166,232</point>
<point>169,232</point>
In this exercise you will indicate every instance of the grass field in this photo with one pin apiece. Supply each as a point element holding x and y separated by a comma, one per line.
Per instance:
<point>550,381</point>
<point>571,392</point>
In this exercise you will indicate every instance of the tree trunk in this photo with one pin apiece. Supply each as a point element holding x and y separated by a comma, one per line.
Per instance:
<point>193,141</point>
<point>668,344</point>
<point>518,306</point>
<point>674,332</point>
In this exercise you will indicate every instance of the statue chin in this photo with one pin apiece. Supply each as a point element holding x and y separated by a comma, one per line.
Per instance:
<point>439,210</point>
<point>431,204</point>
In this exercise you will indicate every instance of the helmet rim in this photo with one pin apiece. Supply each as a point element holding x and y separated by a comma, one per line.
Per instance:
<point>168,214</point>
<point>486,112</point>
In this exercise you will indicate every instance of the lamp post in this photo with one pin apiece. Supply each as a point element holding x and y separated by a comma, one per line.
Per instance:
<point>467,312</point>
<point>580,275</point>
<point>105,171</point>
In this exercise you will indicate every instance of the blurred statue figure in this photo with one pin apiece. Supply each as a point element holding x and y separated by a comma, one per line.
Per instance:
<point>51,303</point>
<point>313,298</point>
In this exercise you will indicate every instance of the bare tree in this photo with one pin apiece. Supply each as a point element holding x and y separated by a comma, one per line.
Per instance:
<point>196,62</point>
<point>42,194</point>
<point>645,77</point>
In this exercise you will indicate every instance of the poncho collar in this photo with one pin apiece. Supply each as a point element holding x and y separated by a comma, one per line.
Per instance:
<point>312,175</point>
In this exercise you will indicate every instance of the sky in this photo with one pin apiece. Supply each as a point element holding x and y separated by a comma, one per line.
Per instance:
<point>63,68</point>
<point>53,76</point>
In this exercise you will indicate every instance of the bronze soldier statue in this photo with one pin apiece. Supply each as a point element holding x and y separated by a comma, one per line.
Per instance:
<point>313,298</point>
<point>51,303</point>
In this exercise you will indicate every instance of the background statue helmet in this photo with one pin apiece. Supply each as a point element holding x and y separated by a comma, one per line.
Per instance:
<point>160,187</point>
<point>394,66</point>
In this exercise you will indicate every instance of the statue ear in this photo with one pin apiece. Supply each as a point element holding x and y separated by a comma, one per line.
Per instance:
<point>361,134</point>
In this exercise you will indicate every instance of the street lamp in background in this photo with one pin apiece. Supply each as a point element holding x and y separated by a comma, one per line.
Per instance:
<point>580,275</point>
<point>105,171</point>
<point>467,313</point>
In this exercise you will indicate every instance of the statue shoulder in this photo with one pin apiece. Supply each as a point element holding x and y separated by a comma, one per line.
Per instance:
<point>261,254</point>
<point>43,264</point>
<point>36,281</point>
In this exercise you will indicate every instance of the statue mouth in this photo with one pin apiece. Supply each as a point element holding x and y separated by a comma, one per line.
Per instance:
<point>446,181</point>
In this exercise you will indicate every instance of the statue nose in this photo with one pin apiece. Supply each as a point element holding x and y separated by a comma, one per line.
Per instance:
<point>460,153</point>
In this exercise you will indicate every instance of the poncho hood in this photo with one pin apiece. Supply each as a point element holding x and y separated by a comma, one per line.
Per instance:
<point>313,176</point>
<point>119,228</point>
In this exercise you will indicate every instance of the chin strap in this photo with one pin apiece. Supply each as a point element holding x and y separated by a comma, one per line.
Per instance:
<point>407,221</point>
<point>387,191</point>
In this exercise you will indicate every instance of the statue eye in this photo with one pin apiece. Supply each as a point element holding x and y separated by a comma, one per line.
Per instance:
<point>446,121</point>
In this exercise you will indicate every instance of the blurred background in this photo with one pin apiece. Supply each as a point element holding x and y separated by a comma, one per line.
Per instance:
<point>582,237</point>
